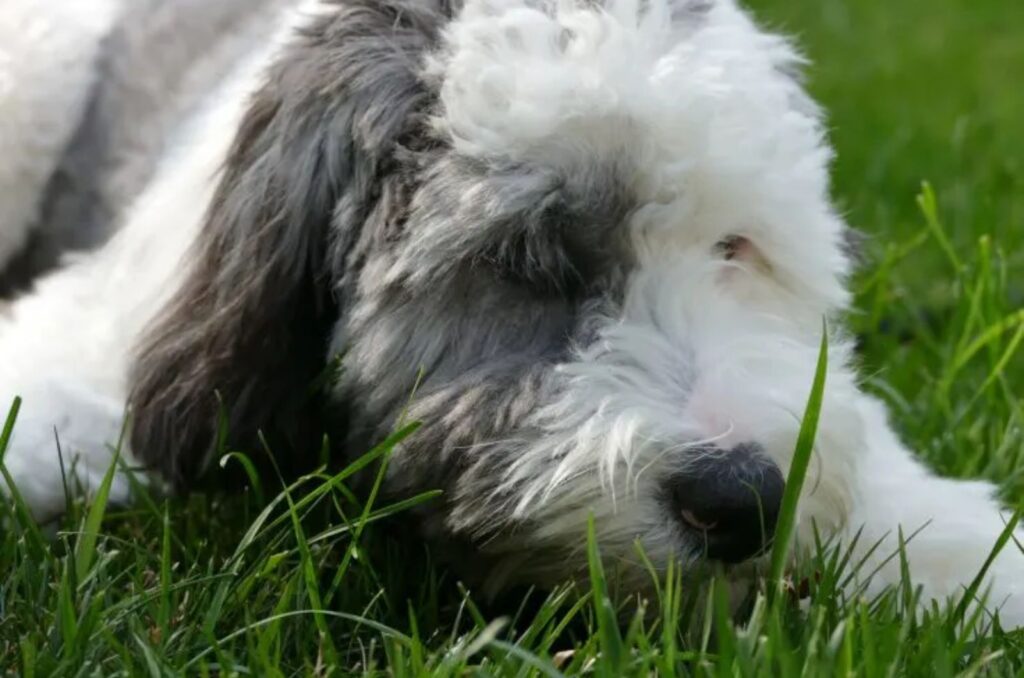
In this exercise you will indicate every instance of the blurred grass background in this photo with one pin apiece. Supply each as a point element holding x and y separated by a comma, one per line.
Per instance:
<point>914,90</point>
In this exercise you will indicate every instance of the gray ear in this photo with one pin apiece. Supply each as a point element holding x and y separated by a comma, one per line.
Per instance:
<point>252,320</point>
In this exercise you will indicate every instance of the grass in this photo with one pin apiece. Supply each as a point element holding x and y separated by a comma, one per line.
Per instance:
<point>316,580</point>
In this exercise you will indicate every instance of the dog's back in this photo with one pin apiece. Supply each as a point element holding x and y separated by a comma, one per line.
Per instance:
<point>155,68</point>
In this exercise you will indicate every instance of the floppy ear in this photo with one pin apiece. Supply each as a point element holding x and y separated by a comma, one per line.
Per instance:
<point>250,325</point>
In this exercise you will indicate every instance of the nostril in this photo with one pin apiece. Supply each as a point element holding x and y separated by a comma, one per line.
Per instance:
<point>730,499</point>
<point>691,519</point>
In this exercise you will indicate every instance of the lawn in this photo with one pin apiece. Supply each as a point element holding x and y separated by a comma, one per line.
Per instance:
<point>926,110</point>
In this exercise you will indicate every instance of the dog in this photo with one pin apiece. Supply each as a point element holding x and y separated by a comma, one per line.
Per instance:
<point>589,245</point>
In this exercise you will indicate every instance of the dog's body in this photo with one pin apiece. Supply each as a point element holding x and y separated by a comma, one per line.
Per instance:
<point>601,236</point>
<point>56,47</point>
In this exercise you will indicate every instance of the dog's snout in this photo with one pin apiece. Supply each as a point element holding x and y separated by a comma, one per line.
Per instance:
<point>731,499</point>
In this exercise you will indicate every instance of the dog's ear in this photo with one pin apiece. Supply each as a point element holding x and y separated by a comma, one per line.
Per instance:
<point>248,322</point>
<point>247,333</point>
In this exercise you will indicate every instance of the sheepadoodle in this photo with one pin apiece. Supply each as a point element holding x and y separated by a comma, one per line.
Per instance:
<point>589,245</point>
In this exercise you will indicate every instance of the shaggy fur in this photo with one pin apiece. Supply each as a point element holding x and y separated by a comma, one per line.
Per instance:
<point>48,57</point>
<point>594,239</point>
<point>129,118</point>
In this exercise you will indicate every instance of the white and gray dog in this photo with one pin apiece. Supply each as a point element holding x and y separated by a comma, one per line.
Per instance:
<point>594,239</point>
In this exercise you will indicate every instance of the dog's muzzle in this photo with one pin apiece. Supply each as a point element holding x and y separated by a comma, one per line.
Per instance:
<point>731,498</point>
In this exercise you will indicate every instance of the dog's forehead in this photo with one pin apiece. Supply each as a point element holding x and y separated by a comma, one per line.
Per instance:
<point>551,82</point>
<point>699,112</point>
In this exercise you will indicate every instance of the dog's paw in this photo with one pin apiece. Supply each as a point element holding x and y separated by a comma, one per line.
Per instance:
<point>62,442</point>
<point>949,529</point>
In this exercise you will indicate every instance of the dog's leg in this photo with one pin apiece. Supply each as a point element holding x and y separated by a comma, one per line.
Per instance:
<point>48,57</point>
<point>65,348</point>
<point>955,525</point>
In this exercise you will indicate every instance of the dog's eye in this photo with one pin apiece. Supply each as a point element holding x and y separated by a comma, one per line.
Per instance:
<point>742,250</point>
<point>734,247</point>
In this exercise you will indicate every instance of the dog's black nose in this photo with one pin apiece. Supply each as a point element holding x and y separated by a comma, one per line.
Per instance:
<point>730,499</point>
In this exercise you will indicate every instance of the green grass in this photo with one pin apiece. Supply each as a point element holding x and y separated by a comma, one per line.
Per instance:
<point>317,581</point>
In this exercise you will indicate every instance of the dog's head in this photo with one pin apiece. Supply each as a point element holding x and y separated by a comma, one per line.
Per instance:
<point>589,246</point>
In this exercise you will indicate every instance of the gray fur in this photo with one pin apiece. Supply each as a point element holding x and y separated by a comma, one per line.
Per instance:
<point>140,97</point>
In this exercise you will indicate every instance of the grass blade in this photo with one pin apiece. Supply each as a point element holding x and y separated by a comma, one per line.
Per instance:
<point>971,592</point>
<point>250,472</point>
<point>164,612</point>
<point>85,551</point>
<point>929,208</point>
<point>21,511</point>
<point>798,467</point>
<point>610,637</point>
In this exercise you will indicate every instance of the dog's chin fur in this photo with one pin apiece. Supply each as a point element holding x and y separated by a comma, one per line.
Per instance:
<point>515,211</point>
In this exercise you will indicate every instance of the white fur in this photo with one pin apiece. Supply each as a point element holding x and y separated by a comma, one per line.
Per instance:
<point>956,524</point>
<point>48,54</point>
<point>721,142</point>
